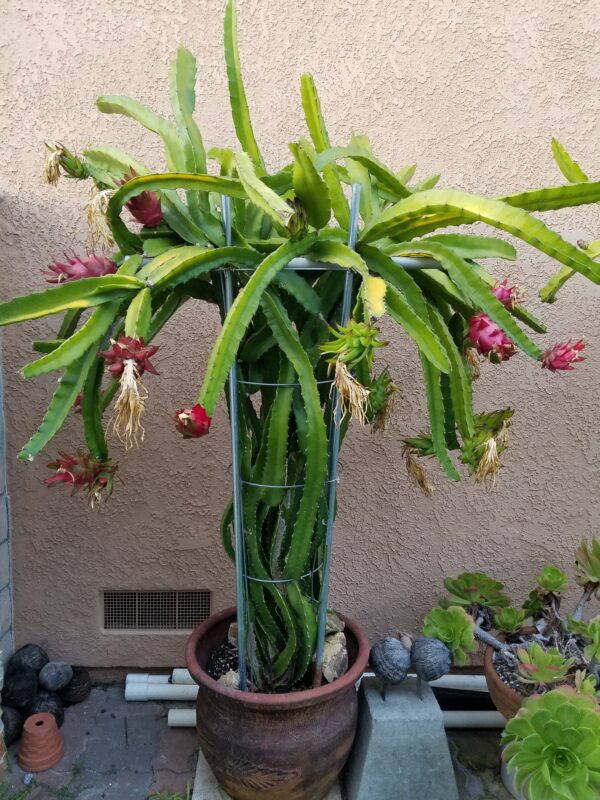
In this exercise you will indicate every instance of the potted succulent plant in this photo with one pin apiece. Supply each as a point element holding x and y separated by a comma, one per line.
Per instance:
<point>536,647</point>
<point>552,747</point>
<point>298,362</point>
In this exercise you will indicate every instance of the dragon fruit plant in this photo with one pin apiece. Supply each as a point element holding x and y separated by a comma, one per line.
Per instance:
<point>159,242</point>
<point>536,645</point>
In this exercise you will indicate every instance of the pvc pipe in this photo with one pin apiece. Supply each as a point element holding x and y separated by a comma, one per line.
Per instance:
<point>141,692</point>
<point>182,676</point>
<point>473,719</point>
<point>182,718</point>
<point>186,718</point>
<point>143,677</point>
<point>468,683</point>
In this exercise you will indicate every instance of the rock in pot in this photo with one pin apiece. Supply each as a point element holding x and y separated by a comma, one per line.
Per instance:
<point>30,656</point>
<point>55,675</point>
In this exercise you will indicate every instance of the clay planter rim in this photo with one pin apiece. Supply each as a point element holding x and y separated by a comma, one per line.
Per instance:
<point>495,683</point>
<point>283,700</point>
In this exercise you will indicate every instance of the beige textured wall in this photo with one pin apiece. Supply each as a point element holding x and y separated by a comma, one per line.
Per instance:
<point>471,88</point>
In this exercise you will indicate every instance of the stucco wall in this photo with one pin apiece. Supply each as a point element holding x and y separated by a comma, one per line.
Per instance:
<point>471,88</point>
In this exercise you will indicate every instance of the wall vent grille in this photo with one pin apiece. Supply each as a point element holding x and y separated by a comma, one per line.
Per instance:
<point>154,611</point>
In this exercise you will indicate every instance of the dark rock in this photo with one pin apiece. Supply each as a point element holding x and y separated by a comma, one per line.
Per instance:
<point>13,724</point>
<point>390,660</point>
<point>30,656</point>
<point>20,686</point>
<point>431,659</point>
<point>78,688</point>
<point>47,702</point>
<point>55,675</point>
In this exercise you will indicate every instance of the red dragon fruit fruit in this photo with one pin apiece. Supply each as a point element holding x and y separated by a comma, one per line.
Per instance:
<point>83,471</point>
<point>508,295</point>
<point>127,348</point>
<point>563,356</point>
<point>192,422</point>
<point>145,207</point>
<point>489,339</point>
<point>90,266</point>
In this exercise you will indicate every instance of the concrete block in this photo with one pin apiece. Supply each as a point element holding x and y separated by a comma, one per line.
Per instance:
<point>207,788</point>
<point>401,750</point>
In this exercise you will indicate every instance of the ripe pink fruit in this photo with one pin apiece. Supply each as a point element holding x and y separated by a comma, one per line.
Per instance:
<point>91,266</point>
<point>563,356</point>
<point>489,339</point>
<point>144,207</point>
<point>508,295</point>
<point>129,349</point>
<point>192,423</point>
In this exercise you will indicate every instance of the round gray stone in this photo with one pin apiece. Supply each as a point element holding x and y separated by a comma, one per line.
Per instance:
<point>55,675</point>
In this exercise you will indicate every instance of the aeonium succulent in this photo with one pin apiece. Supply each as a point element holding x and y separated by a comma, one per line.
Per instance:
<point>553,746</point>
<point>590,631</point>
<point>587,566</point>
<point>475,590</point>
<point>552,580</point>
<point>509,620</point>
<point>455,628</point>
<point>540,666</point>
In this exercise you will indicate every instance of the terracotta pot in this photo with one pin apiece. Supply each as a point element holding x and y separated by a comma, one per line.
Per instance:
<point>274,746</point>
<point>41,745</point>
<point>506,700</point>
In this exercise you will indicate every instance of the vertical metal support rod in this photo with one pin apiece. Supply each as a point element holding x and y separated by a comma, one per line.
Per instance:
<point>238,514</point>
<point>334,451</point>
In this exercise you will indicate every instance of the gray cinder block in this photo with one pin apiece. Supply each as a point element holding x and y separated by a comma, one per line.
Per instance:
<point>401,750</point>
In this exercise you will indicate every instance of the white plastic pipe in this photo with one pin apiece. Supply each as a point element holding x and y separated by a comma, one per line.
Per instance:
<point>182,676</point>
<point>144,677</point>
<point>159,691</point>
<point>473,719</point>
<point>182,718</point>
<point>470,683</point>
<point>186,718</point>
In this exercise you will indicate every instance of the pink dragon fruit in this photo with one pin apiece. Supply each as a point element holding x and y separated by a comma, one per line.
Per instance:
<point>563,356</point>
<point>90,266</point>
<point>145,207</point>
<point>192,422</point>
<point>508,295</point>
<point>489,339</point>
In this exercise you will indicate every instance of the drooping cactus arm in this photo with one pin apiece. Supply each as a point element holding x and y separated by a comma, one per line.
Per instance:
<point>91,411</point>
<point>493,212</point>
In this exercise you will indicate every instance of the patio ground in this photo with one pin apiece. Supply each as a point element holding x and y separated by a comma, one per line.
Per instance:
<point>116,750</point>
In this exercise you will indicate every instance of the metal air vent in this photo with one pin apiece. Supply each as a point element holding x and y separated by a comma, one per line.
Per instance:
<point>155,611</point>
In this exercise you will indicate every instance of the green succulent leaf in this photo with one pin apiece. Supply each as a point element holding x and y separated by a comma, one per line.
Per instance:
<point>475,589</point>
<point>509,620</point>
<point>537,665</point>
<point>455,628</point>
<point>587,564</point>
<point>310,189</point>
<point>591,632</point>
<point>552,580</point>
<point>569,168</point>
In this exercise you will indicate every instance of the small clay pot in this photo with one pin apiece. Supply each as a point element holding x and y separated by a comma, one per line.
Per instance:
<point>41,746</point>
<point>507,701</point>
